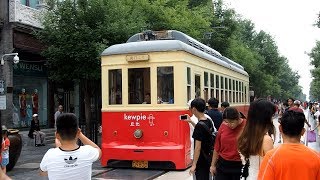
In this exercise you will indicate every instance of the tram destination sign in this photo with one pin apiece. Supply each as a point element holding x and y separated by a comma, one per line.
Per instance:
<point>138,57</point>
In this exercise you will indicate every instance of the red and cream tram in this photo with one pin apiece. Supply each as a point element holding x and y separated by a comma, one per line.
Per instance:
<point>146,84</point>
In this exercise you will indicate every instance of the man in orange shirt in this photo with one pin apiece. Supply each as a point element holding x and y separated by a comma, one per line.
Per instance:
<point>291,160</point>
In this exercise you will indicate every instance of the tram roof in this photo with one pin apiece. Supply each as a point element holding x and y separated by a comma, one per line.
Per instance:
<point>170,45</point>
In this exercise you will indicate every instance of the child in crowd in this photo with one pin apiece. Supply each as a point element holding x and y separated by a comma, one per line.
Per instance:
<point>69,160</point>
<point>5,149</point>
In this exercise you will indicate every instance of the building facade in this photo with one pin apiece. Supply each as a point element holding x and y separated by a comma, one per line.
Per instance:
<point>27,87</point>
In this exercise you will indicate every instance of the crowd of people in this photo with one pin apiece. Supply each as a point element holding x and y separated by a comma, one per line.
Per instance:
<point>246,144</point>
<point>225,143</point>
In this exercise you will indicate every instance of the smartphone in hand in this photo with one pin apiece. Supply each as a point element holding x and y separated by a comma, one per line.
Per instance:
<point>183,117</point>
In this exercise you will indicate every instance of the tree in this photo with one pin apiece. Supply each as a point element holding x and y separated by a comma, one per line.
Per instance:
<point>74,39</point>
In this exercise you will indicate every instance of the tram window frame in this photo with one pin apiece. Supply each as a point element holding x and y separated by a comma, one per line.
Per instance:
<point>165,96</point>
<point>197,81</point>
<point>217,82</point>
<point>217,87</point>
<point>226,83</point>
<point>212,80</point>
<point>206,79</point>
<point>140,87</point>
<point>212,94</point>
<point>230,91</point>
<point>189,76</point>
<point>221,82</point>
<point>245,93</point>
<point>115,86</point>
<point>188,83</point>
<point>206,86</point>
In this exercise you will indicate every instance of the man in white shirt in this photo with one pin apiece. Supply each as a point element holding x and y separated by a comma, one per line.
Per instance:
<point>68,160</point>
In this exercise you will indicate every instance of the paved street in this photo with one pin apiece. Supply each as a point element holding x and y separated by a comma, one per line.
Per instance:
<point>27,166</point>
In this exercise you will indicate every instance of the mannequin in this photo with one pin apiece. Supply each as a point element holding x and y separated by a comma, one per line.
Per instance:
<point>23,106</point>
<point>35,102</point>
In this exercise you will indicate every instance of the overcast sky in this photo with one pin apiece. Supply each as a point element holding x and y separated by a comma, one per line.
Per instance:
<point>290,22</point>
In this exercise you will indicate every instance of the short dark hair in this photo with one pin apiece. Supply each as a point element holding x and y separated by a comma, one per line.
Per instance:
<point>231,113</point>
<point>292,123</point>
<point>67,126</point>
<point>213,102</point>
<point>199,104</point>
<point>225,104</point>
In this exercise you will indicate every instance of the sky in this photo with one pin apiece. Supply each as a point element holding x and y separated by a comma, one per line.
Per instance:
<point>290,23</point>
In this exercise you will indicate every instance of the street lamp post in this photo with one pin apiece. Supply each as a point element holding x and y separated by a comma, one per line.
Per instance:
<point>3,98</point>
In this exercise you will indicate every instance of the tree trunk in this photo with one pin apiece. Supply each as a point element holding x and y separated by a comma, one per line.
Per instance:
<point>87,107</point>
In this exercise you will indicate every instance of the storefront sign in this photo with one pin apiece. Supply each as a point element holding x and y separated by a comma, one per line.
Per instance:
<point>30,69</point>
<point>3,102</point>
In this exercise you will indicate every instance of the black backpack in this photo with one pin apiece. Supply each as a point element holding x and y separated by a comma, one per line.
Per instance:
<point>211,142</point>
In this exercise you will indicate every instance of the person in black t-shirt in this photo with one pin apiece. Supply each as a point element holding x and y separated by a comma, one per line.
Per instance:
<point>214,113</point>
<point>201,165</point>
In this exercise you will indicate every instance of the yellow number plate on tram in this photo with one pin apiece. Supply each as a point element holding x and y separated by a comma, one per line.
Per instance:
<point>140,164</point>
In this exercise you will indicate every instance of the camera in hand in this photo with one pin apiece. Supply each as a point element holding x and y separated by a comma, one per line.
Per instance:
<point>183,117</point>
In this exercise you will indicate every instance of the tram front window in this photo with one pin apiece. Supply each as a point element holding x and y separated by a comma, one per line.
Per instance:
<point>139,85</point>
<point>165,85</point>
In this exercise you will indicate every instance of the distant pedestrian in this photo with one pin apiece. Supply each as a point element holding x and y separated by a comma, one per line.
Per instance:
<point>291,160</point>
<point>255,140</point>
<point>5,149</point>
<point>69,161</point>
<point>203,142</point>
<point>57,114</point>
<point>35,131</point>
<point>224,105</point>
<point>226,162</point>
<point>214,112</point>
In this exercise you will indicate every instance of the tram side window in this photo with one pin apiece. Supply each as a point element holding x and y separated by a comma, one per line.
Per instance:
<point>165,85</point>
<point>206,84</point>
<point>188,83</point>
<point>197,86</point>
<point>212,84</point>
<point>115,86</point>
<point>217,88</point>
<point>139,86</point>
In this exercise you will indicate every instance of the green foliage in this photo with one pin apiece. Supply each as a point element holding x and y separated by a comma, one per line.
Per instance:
<point>76,32</point>
<point>73,36</point>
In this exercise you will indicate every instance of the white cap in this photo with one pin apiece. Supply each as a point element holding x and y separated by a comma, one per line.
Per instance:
<point>189,102</point>
<point>35,115</point>
<point>297,102</point>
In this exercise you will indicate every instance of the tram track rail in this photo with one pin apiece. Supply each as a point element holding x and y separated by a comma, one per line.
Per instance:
<point>127,173</point>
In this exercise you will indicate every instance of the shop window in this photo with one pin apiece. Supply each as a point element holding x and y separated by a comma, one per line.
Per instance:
<point>165,85</point>
<point>29,97</point>
<point>115,86</point>
<point>30,3</point>
<point>139,86</point>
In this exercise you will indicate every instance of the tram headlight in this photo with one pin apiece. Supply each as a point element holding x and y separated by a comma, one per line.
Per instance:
<point>138,133</point>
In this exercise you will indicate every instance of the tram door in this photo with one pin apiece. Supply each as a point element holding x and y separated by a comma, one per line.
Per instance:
<point>197,85</point>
